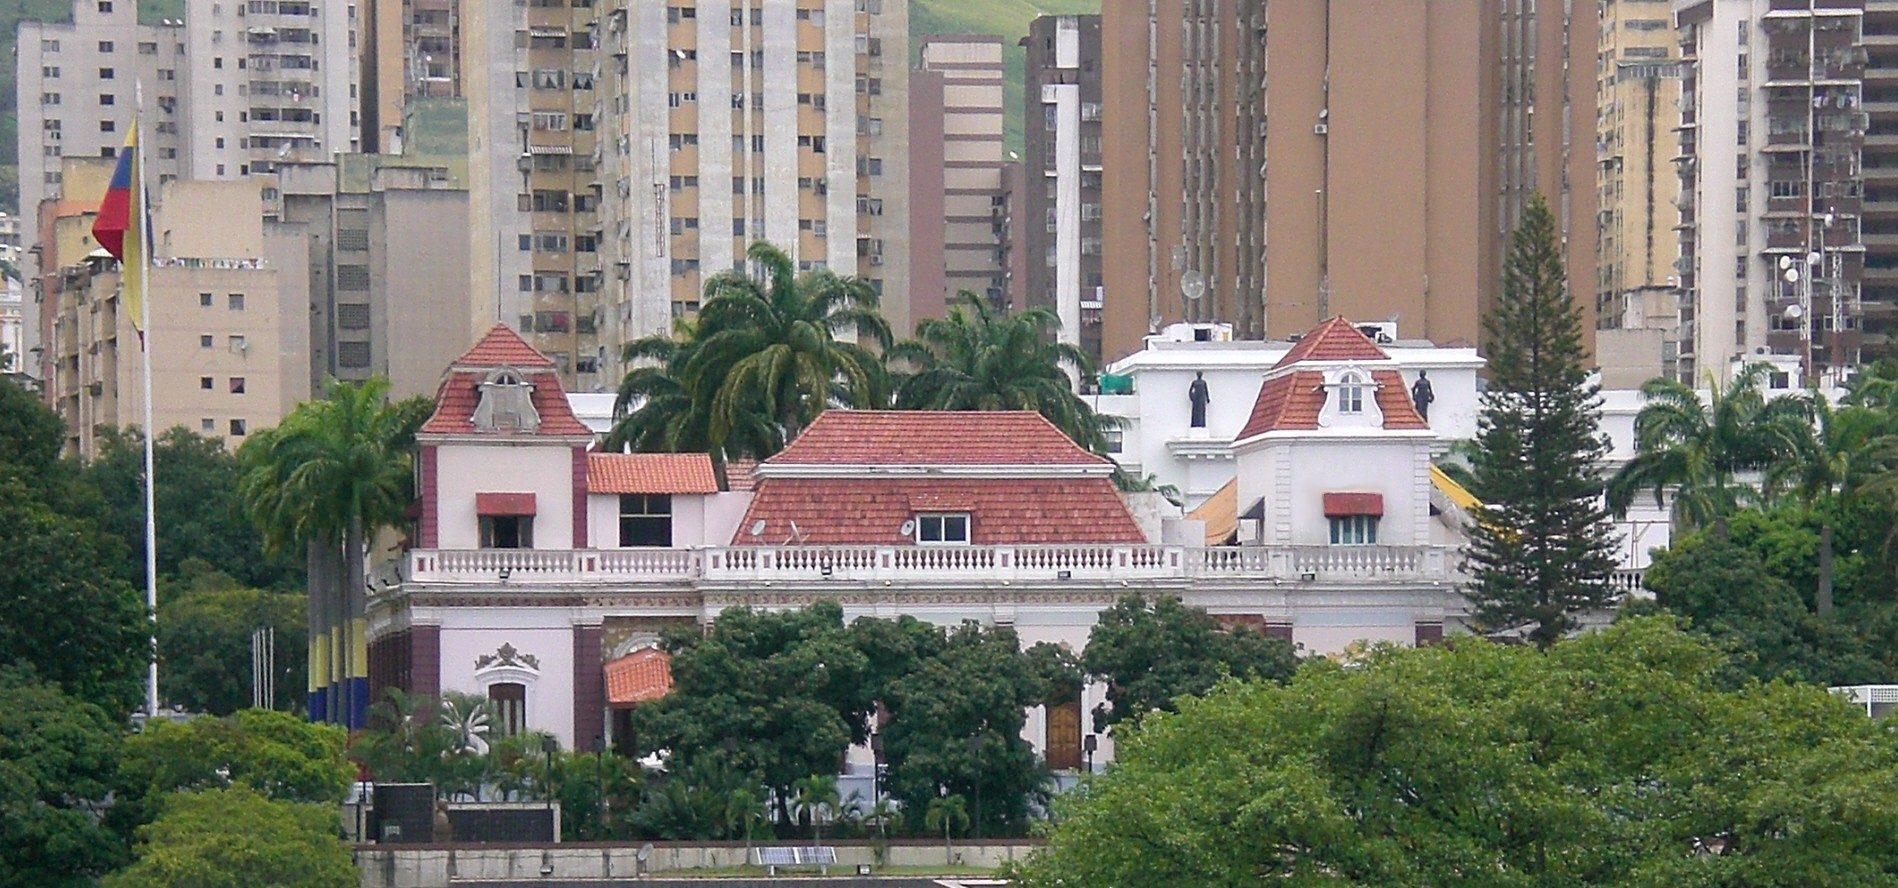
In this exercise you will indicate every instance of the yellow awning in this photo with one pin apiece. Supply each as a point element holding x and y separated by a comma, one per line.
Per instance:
<point>1220,512</point>
<point>1462,498</point>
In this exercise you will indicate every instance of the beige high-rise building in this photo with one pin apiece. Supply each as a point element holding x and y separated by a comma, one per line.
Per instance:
<point>533,194</point>
<point>726,122</point>
<point>962,197</point>
<point>1403,142</point>
<point>228,322</point>
<point>1638,90</point>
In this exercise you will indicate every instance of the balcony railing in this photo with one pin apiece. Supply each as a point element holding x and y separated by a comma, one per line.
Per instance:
<point>746,564</point>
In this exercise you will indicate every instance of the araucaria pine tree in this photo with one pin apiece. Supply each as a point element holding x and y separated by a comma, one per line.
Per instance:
<point>1541,547</point>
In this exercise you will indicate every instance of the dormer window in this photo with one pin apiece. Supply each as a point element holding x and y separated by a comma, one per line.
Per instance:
<point>507,403</point>
<point>1351,393</point>
<point>943,529</point>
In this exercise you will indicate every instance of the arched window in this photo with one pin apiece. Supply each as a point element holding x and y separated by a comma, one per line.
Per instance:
<point>1351,393</point>
<point>510,707</point>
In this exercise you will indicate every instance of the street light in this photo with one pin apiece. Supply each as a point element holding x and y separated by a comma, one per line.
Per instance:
<point>547,746</point>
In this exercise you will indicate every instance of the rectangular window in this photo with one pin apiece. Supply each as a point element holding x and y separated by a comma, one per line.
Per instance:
<point>236,301</point>
<point>237,428</point>
<point>204,300</point>
<point>509,700</point>
<point>204,340</point>
<point>645,520</point>
<point>237,385</point>
<point>507,531</point>
<point>945,529</point>
<point>206,383</point>
<point>1354,530</point>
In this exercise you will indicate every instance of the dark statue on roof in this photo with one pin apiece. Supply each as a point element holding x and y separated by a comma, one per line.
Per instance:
<point>1197,394</point>
<point>1421,394</point>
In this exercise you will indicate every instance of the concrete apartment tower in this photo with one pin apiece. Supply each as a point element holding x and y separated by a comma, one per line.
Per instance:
<point>956,203</point>
<point>532,202</point>
<point>410,50</point>
<point>1403,142</point>
<point>1637,289</point>
<point>270,81</point>
<point>1061,199</point>
<point>1774,137</point>
<point>725,122</point>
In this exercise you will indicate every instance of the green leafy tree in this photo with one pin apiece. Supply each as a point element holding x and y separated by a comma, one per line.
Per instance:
<point>695,802</point>
<point>57,759</point>
<point>64,609</point>
<point>655,412</point>
<point>1700,450</point>
<point>778,695</point>
<point>978,358</point>
<point>955,725</point>
<point>237,838</point>
<point>1615,758</point>
<point>946,814</point>
<point>205,621</point>
<point>200,515</point>
<point>31,435</point>
<point>1541,547</point>
<point>1150,653</point>
<point>1840,451</point>
<point>781,344</point>
<point>327,478</point>
<point>277,754</point>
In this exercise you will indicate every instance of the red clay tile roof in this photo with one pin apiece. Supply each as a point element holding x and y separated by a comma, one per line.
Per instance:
<point>738,475</point>
<point>460,391</point>
<point>1393,399</point>
<point>1333,340</point>
<point>1293,401</point>
<point>933,438</point>
<point>639,677</point>
<point>502,347</point>
<point>650,473</point>
<point>1003,511</point>
<point>504,504</point>
<point>1342,503</point>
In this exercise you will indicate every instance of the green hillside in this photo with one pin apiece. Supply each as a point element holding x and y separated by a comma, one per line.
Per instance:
<point>1008,18</point>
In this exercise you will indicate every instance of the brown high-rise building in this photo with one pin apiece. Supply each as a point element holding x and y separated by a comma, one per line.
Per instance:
<point>955,148</point>
<point>1061,203</point>
<point>1403,142</point>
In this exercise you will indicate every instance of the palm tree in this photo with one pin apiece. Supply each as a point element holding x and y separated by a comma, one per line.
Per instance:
<point>655,412</point>
<point>946,813</point>
<point>1701,449</point>
<point>329,476</point>
<point>744,809</point>
<point>777,345</point>
<point>816,797</point>
<point>981,359</point>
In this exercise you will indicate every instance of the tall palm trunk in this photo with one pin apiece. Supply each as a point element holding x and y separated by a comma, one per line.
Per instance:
<point>316,609</point>
<point>354,602</point>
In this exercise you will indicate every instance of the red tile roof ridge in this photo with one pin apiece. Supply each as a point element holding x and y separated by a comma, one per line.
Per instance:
<point>502,347</point>
<point>1334,340</point>
<point>933,438</point>
<point>655,473</point>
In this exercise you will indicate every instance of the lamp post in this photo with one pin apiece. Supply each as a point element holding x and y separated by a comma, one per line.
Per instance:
<point>547,746</point>
<point>599,782</point>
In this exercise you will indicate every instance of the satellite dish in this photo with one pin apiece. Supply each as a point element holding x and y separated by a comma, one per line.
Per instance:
<point>909,527</point>
<point>1785,262</point>
<point>1192,285</point>
<point>1793,312</point>
<point>757,527</point>
<point>1791,275</point>
<point>644,853</point>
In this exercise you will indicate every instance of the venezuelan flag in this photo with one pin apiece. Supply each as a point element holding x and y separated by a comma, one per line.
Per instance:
<point>123,227</point>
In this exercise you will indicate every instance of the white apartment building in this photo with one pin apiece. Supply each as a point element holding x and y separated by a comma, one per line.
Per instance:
<point>270,81</point>
<point>725,122</point>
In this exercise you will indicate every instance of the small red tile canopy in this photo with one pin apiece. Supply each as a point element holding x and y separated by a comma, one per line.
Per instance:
<point>1341,505</point>
<point>494,505</point>
<point>639,677</point>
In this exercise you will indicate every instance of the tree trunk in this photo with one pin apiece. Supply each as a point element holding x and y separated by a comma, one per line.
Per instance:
<point>1823,601</point>
<point>354,602</point>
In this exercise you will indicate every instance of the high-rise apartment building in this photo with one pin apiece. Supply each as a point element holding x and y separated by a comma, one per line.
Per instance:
<point>956,159</point>
<point>533,195</point>
<point>1637,90</point>
<point>1183,151</point>
<point>726,122</point>
<point>227,321</point>
<point>270,81</point>
<point>1878,302</point>
<point>1404,140</point>
<point>1061,198</point>
<point>1772,129</point>
<point>380,298</point>
<point>411,49</point>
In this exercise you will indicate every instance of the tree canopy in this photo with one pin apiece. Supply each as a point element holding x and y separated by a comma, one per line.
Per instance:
<point>237,838</point>
<point>58,758</point>
<point>1612,758</point>
<point>1151,653</point>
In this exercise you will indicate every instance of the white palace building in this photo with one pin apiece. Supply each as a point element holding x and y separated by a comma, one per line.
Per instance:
<point>542,571</point>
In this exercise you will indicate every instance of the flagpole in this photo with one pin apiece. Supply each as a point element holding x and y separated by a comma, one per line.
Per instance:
<point>143,221</point>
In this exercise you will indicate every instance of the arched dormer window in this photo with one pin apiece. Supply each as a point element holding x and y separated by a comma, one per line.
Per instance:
<point>507,403</point>
<point>1351,392</point>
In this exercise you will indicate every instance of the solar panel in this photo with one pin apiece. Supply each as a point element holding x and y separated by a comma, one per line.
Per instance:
<point>777,856</point>
<point>796,856</point>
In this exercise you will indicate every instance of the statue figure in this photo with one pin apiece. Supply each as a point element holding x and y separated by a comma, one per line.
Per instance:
<point>1197,394</point>
<point>1421,394</point>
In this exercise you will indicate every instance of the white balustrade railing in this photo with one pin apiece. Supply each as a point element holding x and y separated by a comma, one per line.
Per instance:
<point>738,564</point>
